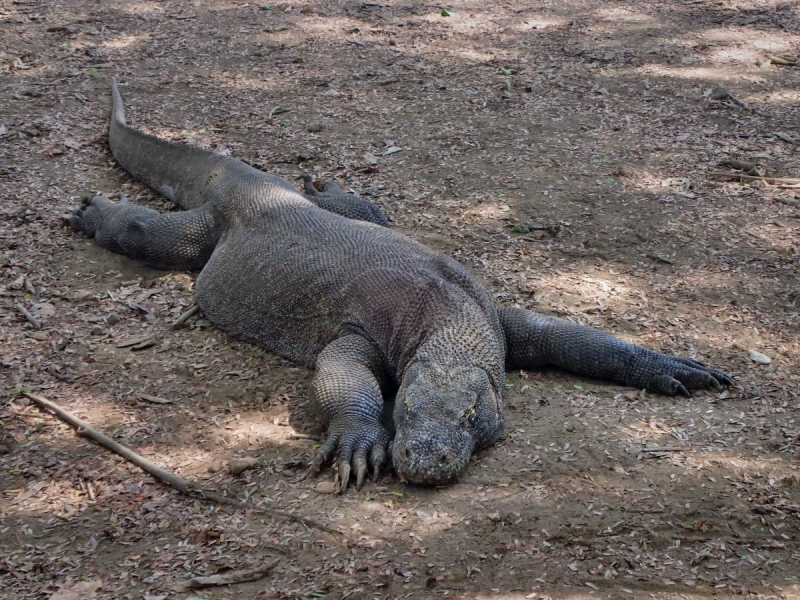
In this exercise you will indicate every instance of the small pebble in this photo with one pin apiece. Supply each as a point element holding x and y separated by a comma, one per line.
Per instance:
<point>325,487</point>
<point>761,359</point>
<point>240,465</point>
<point>98,330</point>
<point>314,127</point>
<point>112,319</point>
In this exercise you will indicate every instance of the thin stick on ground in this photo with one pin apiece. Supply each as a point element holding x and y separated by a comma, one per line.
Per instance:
<point>184,487</point>
<point>31,319</point>
<point>193,310</point>
<point>720,93</point>
<point>784,180</point>
<point>232,577</point>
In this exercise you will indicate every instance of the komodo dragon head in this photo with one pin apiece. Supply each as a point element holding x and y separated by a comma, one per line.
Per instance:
<point>442,415</point>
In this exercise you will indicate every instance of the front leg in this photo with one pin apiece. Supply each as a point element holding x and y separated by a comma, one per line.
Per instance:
<point>534,340</point>
<point>173,241</point>
<point>347,398</point>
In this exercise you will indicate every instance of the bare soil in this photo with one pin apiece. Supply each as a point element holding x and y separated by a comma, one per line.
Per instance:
<point>594,117</point>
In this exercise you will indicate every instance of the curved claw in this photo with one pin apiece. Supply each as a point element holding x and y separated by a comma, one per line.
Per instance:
<point>344,475</point>
<point>324,453</point>
<point>377,459</point>
<point>360,472</point>
<point>681,389</point>
<point>721,377</point>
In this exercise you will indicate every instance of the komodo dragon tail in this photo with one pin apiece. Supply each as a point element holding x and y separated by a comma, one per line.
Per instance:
<point>179,172</point>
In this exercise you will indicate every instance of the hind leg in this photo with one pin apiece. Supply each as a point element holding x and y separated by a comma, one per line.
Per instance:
<point>333,199</point>
<point>173,241</point>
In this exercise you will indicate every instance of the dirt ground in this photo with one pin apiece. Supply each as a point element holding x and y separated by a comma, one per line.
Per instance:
<point>595,119</point>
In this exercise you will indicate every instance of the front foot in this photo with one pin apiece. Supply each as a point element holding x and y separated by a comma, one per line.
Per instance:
<point>354,444</point>
<point>88,217</point>
<point>672,375</point>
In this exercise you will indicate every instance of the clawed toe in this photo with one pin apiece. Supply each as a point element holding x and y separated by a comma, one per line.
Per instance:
<point>350,454</point>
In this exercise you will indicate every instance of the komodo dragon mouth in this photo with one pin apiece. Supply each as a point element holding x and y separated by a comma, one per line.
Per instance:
<point>318,278</point>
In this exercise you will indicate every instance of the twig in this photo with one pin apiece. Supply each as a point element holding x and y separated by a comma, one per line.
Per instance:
<point>155,399</point>
<point>720,93</point>
<point>788,202</point>
<point>787,180</point>
<point>663,449</point>
<point>185,316</point>
<point>791,443</point>
<point>553,229</point>
<point>184,487</point>
<point>232,577</point>
<point>294,435</point>
<point>31,319</point>
<point>276,111</point>
<point>660,259</point>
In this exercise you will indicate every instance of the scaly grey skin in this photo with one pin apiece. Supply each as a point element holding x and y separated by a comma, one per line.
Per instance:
<point>375,312</point>
<point>334,199</point>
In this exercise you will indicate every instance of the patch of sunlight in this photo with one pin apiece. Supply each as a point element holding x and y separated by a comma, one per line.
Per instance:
<point>254,429</point>
<point>487,210</point>
<point>141,8</point>
<point>612,288</point>
<point>773,44</point>
<point>648,432</point>
<point>703,74</point>
<point>540,594</point>
<point>746,56</point>
<point>124,41</point>
<point>777,473</point>
<point>266,83</point>
<point>625,15</point>
<point>332,28</point>
<point>530,24</point>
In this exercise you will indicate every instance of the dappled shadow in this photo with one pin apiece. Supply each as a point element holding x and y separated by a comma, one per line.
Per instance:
<point>592,117</point>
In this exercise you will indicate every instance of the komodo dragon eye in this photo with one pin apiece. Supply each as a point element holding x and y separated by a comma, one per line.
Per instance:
<point>471,415</point>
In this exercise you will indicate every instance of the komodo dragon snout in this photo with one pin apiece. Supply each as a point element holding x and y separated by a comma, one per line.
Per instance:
<point>441,416</point>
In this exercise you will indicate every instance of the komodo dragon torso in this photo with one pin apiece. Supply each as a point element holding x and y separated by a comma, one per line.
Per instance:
<point>318,278</point>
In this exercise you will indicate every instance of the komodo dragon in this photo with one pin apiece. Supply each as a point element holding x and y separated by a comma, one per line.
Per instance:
<point>376,313</point>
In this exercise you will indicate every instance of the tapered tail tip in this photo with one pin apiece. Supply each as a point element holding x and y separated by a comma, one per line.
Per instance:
<point>117,111</point>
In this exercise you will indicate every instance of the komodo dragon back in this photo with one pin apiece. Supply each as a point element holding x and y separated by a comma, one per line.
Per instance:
<point>319,279</point>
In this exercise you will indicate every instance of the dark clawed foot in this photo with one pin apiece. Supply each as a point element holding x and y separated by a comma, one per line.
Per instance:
<point>308,184</point>
<point>676,376</point>
<point>88,217</point>
<point>354,447</point>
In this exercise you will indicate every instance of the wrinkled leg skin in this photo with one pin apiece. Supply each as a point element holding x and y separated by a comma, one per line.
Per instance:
<point>346,397</point>
<point>173,241</point>
<point>534,340</point>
